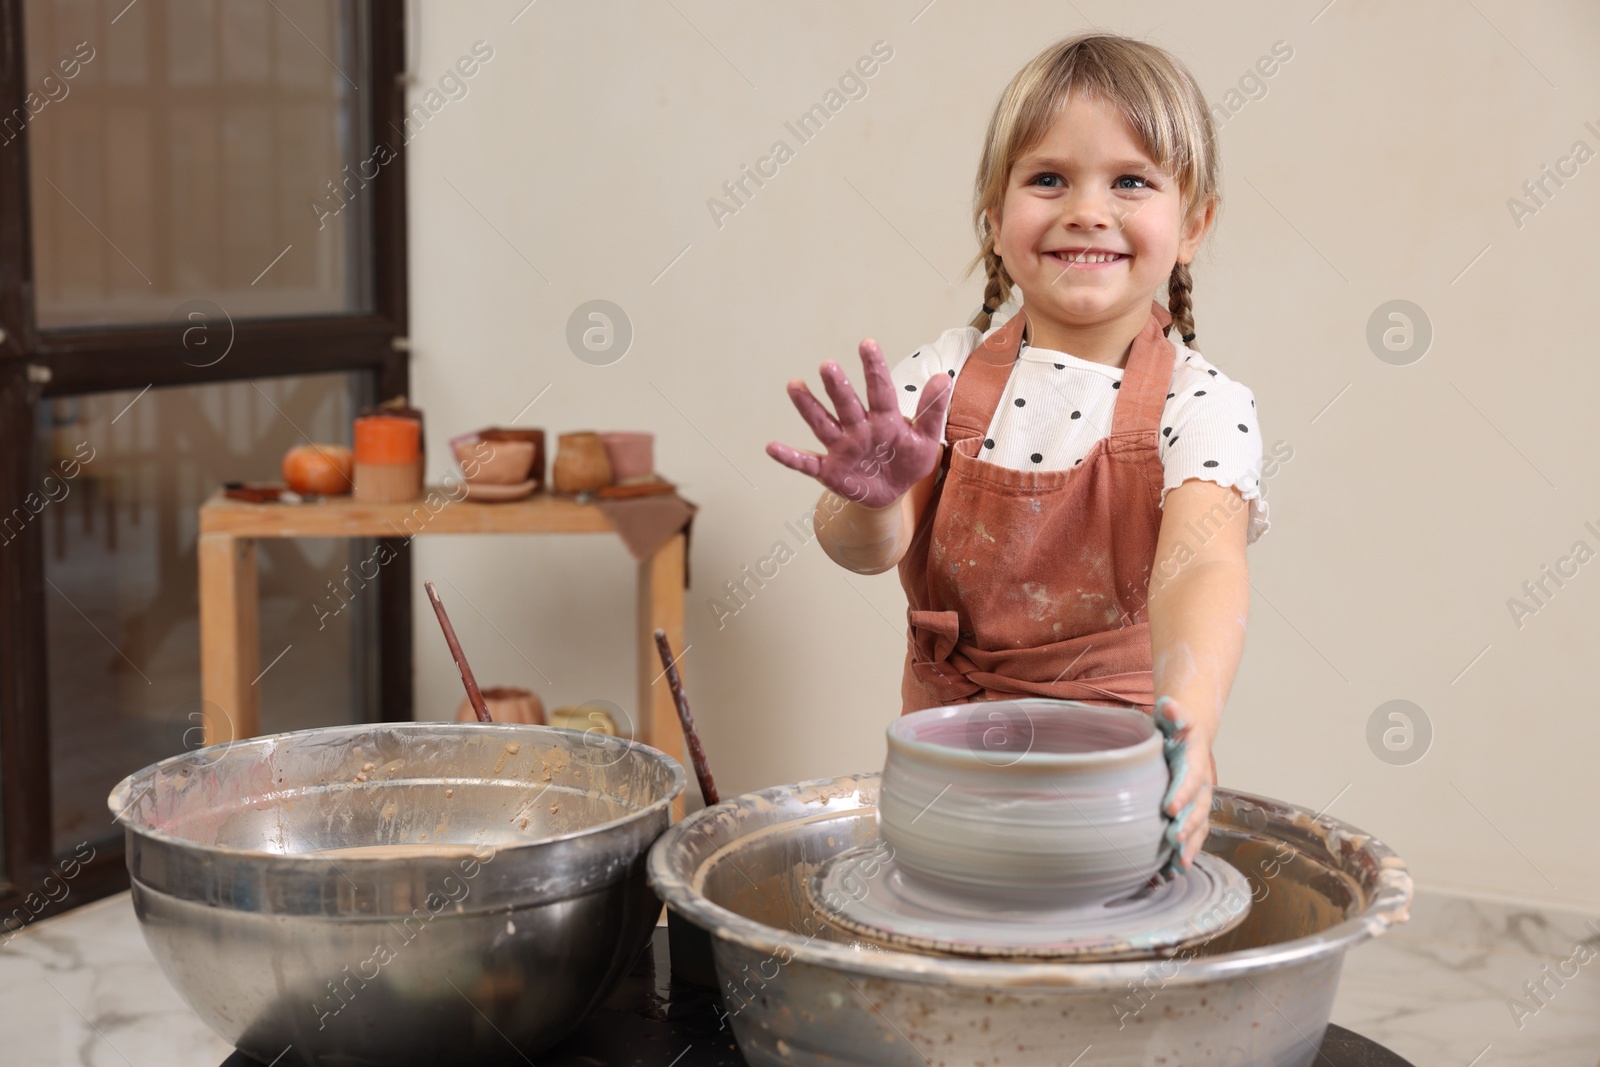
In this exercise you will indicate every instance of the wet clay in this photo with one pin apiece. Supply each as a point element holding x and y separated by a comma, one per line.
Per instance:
<point>1043,801</point>
<point>888,908</point>
<point>1027,828</point>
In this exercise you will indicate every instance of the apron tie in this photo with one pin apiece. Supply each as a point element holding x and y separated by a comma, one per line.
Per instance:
<point>952,670</point>
<point>934,637</point>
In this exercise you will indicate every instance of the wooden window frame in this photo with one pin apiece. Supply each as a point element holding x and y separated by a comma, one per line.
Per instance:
<point>38,364</point>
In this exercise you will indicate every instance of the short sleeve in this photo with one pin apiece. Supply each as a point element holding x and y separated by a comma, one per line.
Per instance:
<point>942,356</point>
<point>1209,431</point>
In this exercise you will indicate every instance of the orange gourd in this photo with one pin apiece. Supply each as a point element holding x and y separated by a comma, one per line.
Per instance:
<point>318,470</point>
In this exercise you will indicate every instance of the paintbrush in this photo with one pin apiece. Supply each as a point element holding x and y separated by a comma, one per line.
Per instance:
<point>471,683</point>
<point>697,755</point>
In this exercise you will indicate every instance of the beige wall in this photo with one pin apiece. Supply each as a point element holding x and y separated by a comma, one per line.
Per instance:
<point>1377,166</point>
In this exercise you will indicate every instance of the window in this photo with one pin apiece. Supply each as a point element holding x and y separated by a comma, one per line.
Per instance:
<point>201,264</point>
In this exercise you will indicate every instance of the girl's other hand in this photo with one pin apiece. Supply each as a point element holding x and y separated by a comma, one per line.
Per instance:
<point>1194,779</point>
<point>873,455</point>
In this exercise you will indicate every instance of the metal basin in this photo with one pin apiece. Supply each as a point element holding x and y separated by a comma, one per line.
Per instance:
<point>510,898</point>
<point>797,992</point>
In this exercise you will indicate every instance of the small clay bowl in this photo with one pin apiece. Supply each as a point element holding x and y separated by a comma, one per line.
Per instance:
<point>486,462</point>
<point>1026,801</point>
<point>582,465</point>
<point>632,456</point>
<point>517,433</point>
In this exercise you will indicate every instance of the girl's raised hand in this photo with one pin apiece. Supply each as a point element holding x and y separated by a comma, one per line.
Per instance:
<point>874,455</point>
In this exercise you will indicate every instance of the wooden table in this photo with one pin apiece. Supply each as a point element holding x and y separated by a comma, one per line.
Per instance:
<point>230,653</point>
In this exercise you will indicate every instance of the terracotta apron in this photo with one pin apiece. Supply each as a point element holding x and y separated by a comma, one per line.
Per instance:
<point>1033,583</point>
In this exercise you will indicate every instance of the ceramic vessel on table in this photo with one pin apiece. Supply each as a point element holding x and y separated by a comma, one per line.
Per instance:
<point>506,703</point>
<point>518,433</point>
<point>487,462</point>
<point>1044,801</point>
<point>581,463</point>
<point>517,899</point>
<point>632,456</point>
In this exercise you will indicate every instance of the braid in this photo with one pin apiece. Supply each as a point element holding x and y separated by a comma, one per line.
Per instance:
<point>1179,286</point>
<point>996,290</point>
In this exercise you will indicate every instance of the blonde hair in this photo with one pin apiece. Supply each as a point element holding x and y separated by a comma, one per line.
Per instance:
<point>1155,93</point>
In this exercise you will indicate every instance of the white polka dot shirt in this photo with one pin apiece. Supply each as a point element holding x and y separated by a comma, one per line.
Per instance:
<point>1056,406</point>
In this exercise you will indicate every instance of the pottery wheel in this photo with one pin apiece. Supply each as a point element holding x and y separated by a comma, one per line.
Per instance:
<point>874,899</point>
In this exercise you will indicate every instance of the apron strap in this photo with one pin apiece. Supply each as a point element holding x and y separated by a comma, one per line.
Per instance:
<point>1147,378</point>
<point>1141,397</point>
<point>982,381</point>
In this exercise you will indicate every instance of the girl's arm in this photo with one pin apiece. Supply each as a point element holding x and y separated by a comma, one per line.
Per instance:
<point>870,540</point>
<point>1198,603</point>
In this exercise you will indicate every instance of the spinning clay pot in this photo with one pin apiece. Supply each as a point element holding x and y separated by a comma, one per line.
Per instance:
<point>1026,800</point>
<point>581,464</point>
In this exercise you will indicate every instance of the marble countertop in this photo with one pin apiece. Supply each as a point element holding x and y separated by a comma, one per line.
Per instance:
<point>82,990</point>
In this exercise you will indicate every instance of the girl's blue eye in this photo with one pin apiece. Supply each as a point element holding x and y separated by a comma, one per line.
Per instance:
<point>1052,180</point>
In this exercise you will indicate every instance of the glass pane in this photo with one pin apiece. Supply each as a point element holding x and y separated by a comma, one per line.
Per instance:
<point>195,150</point>
<point>127,473</point>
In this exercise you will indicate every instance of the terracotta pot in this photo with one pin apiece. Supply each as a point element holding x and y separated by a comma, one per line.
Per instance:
<point>534,437</point>
<point>1031,800</point>
<point>499,462</point>
<point>506,704</point>
<point>581,464</point>
<point>632,456</point>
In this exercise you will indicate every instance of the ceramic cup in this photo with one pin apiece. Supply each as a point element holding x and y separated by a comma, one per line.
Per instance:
<point>632,456</point>
<point>1032,801</point>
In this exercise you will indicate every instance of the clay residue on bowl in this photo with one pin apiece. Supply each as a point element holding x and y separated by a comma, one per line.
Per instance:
<point>511,749</point>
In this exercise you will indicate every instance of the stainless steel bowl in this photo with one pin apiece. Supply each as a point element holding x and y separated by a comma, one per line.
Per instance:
<point>797,992</point>
<point>511,898</point>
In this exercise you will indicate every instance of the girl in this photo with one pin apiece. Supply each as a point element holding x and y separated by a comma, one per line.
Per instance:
<point>1067,491</point>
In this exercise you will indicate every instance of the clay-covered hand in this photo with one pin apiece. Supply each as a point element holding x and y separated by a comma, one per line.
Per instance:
<point>874,454</point>
<point>1193,780</point>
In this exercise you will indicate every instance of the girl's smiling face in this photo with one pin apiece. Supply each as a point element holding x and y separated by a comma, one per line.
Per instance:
<point>1090,229</point>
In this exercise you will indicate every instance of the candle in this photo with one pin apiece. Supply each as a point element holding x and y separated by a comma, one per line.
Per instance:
<point>388,459</point>
<point>385,439</point>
